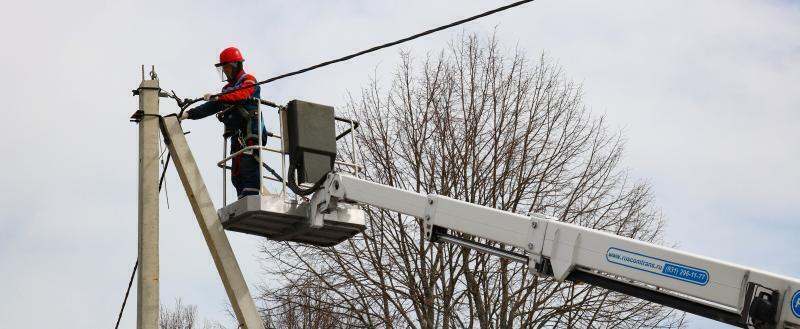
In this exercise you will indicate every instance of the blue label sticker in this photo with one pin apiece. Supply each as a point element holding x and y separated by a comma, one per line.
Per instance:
<point>657,266</point>
<point>796,304</point>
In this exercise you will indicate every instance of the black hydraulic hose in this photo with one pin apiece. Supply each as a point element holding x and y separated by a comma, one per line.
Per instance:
<point>292,183</point>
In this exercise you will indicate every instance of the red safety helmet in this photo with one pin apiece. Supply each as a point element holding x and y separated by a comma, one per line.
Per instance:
<point>227,56</point>
<point>230,54</point>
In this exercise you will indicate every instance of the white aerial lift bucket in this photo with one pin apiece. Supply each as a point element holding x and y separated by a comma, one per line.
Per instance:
<point>283,215</point>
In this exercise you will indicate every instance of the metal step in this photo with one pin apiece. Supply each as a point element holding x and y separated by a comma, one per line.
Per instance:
<point>270,217</point>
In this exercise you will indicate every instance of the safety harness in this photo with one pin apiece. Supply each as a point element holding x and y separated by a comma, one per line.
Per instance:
<point>240,123</point>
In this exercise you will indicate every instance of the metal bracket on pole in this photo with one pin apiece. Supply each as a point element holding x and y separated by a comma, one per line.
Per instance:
<point>238,293</point>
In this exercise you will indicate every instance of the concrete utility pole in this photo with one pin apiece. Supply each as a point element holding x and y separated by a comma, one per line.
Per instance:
<point>147,303</point>
<point>238,293</point>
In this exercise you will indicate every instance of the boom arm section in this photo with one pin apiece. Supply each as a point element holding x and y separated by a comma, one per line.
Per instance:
<point>725,292</point>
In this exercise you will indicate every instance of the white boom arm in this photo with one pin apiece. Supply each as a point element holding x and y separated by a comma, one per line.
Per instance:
<point>725,292</point>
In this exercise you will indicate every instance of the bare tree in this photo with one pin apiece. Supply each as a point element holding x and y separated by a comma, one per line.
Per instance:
<point>476,124</point>
<point>306,307</point>
<point>183,317</point>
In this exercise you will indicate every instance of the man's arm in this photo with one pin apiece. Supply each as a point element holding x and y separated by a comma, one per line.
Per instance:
<point>202,111</point>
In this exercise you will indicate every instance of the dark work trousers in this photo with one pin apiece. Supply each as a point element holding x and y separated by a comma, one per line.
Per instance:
<point>244,172</point>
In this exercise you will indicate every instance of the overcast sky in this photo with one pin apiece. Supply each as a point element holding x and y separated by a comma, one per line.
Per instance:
<point>706,93</point>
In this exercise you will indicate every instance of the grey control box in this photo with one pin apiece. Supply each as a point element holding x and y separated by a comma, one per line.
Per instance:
<point>310,139</point>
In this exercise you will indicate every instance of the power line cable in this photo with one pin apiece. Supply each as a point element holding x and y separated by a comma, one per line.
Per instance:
<point>385,45</point>
<point>130,283</point>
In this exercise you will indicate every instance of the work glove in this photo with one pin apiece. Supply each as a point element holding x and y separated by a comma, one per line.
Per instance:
<point>183,116</point>
<point>209,97</point>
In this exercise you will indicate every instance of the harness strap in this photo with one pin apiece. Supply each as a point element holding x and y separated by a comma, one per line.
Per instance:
<point>236,84</point>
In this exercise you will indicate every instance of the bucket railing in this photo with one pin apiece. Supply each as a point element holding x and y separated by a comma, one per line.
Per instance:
<point>353,167</point>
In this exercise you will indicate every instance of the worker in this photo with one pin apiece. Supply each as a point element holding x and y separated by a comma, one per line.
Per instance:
<point>238,111</point>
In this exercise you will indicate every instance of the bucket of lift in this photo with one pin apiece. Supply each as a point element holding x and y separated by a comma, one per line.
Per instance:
<point>270,217</point>
<point>308,138</point>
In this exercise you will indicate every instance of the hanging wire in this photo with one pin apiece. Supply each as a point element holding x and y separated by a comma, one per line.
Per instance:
<point>385,45</point>
<point>163,172</point>
<point>130,283</point>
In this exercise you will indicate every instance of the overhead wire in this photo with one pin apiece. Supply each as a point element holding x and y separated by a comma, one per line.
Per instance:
<point>186,102</point>
<point>385,45</point>
<point>130,283</point>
